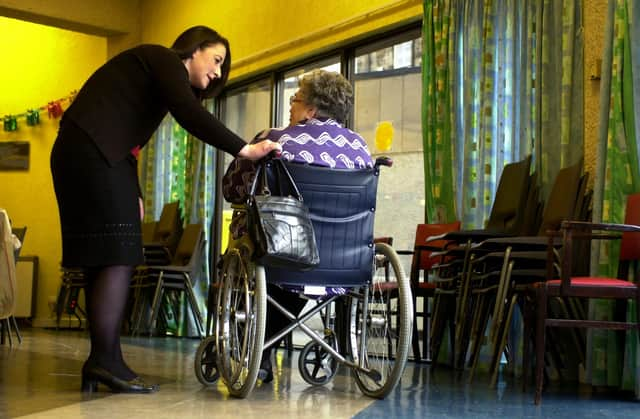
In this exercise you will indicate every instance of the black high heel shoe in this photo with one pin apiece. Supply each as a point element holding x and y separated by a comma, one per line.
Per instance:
<point>91,376</point>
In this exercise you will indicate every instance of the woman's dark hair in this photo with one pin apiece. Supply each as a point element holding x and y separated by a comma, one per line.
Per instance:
<point>201,37</point>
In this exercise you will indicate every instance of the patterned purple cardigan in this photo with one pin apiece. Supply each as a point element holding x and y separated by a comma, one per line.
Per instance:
<point>316,141</point>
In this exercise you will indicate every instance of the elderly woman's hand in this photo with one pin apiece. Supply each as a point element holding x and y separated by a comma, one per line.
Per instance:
<point>259,150</point>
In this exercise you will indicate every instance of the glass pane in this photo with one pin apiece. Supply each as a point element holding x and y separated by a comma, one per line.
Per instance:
<point>246,111</point>
<point>290,83</point>
<point>388,88</point>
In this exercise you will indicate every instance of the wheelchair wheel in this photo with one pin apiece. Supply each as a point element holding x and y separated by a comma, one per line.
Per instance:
<point>381,326</point>
<point>240,325</point>
<point>317,366</point>
<point>205,364</point>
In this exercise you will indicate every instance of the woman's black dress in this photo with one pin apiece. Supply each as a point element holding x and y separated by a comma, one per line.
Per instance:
<point>94,172</point>
<point>98,203</point>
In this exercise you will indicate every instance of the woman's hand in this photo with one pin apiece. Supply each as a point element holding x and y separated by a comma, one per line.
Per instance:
<point>259,150</point>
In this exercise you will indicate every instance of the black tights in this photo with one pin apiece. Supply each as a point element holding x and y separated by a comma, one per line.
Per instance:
<point>106,293</point>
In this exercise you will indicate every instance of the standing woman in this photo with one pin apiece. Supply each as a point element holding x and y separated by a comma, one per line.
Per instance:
<point>96,181</point>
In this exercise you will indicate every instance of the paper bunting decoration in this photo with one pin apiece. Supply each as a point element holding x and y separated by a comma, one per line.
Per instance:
<point>54,109</point>
<point>32,116</point>
<point>10,123</point>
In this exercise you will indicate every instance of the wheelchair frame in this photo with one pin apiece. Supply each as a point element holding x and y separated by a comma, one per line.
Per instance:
<point>377,346</point>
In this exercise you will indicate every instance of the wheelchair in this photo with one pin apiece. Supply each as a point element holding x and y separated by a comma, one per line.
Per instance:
<point>366,279</point>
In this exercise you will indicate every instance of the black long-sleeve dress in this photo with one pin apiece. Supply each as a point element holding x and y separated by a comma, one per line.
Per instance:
<point>94,173</point>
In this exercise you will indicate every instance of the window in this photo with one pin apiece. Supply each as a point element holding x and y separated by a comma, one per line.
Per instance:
<point>386,75</point>
<point>388,84</point>
<point>247,111</point>
<point>290,84</point>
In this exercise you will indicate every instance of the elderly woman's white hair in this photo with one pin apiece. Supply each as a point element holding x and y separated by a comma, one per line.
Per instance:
<point>329,92</point>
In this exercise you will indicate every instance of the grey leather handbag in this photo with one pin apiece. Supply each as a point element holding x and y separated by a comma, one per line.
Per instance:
<point>280,226</point>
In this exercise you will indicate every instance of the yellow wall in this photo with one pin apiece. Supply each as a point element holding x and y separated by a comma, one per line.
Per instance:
<point>264,33</point>
<point>40,64</point>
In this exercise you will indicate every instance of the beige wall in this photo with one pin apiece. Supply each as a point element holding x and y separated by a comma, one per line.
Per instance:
<point>595,16</point>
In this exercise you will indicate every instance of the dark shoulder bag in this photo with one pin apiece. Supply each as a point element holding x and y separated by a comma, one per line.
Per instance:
<point>280,226</point>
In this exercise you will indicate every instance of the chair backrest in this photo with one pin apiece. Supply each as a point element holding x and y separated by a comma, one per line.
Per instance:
<point>149,231</point>
<point>169,227</point>
<point>422,258</point>
<point>20,233</point>
<point>630,243</point>
<point>532,211</point>
<point>509,204</point>
<point>563,198</point>
<point>342,205</point>
<point>189,245</point>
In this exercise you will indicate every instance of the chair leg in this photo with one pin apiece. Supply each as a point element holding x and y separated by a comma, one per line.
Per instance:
<point>437,329</point>
<point>528,310</point>
<point>476,332</point>
<point>193,302</point>
<point>483,321</point>
<point>415,340</point>
<point>155,306</point>
<point>7,329</point>
<point>540,340</point>
<point>501,341</point>
<point>2,332</point>
<point>15,326</point>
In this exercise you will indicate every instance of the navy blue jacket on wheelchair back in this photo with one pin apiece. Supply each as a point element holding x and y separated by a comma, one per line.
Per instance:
<point>342,205</point>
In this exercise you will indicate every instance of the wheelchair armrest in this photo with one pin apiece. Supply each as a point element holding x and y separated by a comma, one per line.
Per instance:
<point>384,161</point>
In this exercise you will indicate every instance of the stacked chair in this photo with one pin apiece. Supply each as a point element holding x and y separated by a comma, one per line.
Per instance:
<point>512,264</point>
<point>73,281</point>
<point>498,273</point>
<point>507,218</point>
<point>179,276</point>
<point>173,261</point>
<point>421,286</point>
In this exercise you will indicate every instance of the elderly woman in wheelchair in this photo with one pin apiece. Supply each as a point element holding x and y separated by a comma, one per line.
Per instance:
<point>338,181</point>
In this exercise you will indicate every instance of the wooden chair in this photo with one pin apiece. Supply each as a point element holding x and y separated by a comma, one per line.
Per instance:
<point>6,323</point>
<point>521,261</point>
<point>421,264</point>
<point>588,287</point>
<point>165,235</point>
<point>510,214</point>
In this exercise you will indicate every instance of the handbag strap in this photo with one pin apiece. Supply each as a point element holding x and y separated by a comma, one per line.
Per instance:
<point>261,177</point>
<point>264,188</point>
<point>283,169</point>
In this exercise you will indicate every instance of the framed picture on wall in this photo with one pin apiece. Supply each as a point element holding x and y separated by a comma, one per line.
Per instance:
<point>14,155</point>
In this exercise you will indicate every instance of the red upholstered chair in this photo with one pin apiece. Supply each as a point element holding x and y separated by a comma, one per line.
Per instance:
<point>423,260</point>
<point>590,287</point>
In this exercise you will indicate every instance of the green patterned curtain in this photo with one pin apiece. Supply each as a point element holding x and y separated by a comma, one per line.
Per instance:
<point>177,167</point>
<point>611,362</point>
<point>498,86</point>
<point>437,118</point>
<point>492,71</point>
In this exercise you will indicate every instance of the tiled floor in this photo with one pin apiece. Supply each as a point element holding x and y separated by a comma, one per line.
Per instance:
<point>40,379</point>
